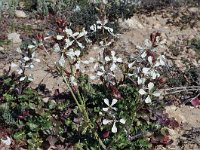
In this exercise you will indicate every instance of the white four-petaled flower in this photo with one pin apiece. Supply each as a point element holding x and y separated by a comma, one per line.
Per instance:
<point>110,106</point>
<point>149,93</point>
<point>114,127</point>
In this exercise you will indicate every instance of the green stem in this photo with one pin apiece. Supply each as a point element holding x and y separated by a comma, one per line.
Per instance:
<point>79,106</point>
<point>82,108</point>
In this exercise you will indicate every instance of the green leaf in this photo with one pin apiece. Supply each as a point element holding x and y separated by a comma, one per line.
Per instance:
<point>19,135</point>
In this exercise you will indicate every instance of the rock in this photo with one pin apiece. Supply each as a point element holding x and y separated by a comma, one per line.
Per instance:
<point>15,38</point>
<point>20,14</point>
<point>192,52</point>
<point>1,49</point>
<point>157,26</point>
<point>193,9</point>
<point>132,23</point>
<point>173,111</point>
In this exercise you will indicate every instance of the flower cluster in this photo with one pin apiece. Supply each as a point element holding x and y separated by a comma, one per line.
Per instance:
<point>101,25</point>
<point>110,111</point>
<point>146,68</point>
<point>28,60</point>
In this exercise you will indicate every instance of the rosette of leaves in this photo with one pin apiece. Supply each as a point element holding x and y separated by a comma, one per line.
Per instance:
<point>23,111</point>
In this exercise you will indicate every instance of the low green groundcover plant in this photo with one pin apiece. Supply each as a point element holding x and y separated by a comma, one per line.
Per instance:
<point>116,105</point>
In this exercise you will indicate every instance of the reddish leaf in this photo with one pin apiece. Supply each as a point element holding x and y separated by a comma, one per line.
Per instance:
<point>115,91</point>
<point>39,36</point>
<point>105,134</point>
<point>153,37</point>
<point>165,140</point>
<point>195,101</point>
<point>152,54</point>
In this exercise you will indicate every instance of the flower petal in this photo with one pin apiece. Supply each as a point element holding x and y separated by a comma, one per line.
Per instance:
<point>106,101</point>
<point>142,92</point>
<point>113,67</point>
<point>93,27</point>
<point>123,121</point>
<point>145,70</point>
<point>148,100</point>
<point>62,61</point>
<point>114,128</point>
<point>26,58</point>
<point>144,55</point>
<point>99,73</point>
<point>59,37</point>
<point>77,53</point>
<point>114,101</point>
<point>20,71</point>
<point>56,48</point>
<point>106,121</point>
<point>162,60</point>
<point>22,78</point>
<point>80,45</point>
<point>141,80</point>
<point>150,59</point>
<point>105,109</point>
<point>69,31</point>
<point>107,58</point>
<point>150,86</point>
<point>119,59</point>
<point>156,94</point>
<point>31,46</point>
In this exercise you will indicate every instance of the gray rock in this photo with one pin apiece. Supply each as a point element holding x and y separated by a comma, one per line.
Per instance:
<point>20,14</point>
<point>193,9</point>
<point>1,49</point>
<point>132,23</point>
<point>15,38</point>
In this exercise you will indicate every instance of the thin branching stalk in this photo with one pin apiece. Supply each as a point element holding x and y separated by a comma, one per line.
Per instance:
<point>82,108</point>
<point>179,89</point>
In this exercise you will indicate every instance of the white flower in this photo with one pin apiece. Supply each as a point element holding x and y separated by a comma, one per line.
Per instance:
<point>56,48</point>
<point>75,36</point>
<point>59,37</point>
<point>161,61</point>
<point>110,106</point>
<point>29,78</point>
<point>73,54</point>
<point>61,61</point>
<point>130,65</point>
<point>26,58</point>
<point>31,46</point>
<point>6,141</point>
<point>141,80</point>
<point>144,54</point>
<point>150,60</point>
<point>73,81</point>
<point>77,65</point>
<point>123,121</point>
<point>150,72</point>
<point>149,93</point>
<point>114,127</point>
<point>92,77</point>
<point>145,70</point>
<point>68,43</point>
<point>114,60</point>
<point>32,58</point>
<point>101,25</point>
